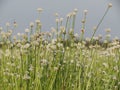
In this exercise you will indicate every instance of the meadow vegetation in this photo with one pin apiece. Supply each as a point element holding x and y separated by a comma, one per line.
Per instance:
<point>59,59</point>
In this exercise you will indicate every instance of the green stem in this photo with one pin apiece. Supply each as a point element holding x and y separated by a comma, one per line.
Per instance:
<point>99,23</point>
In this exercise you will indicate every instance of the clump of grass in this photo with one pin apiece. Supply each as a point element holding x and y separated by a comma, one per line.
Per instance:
<point>58,60</point>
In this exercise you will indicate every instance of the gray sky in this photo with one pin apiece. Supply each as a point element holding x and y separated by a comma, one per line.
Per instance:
<point>24,12</point>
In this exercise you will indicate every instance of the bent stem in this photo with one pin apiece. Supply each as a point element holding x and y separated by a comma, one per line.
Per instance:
<point>99,23</point>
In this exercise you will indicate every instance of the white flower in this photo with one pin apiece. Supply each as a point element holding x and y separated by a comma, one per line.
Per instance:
<point>83,21</point>
<point>19,45</point>
<point>100,36</point>
<point>10,31</point>
<point>95,38</point>
<point>56,14</point>
<point>7,24</point>
<point>85,11</point>
<point>53,47</point>
<point>27,30</point>
<point>108,36</point>
<point>114,78</point>
<point>72,61</point>
<point>55,68</point>
<point>39,10</point>
<point>105,65</point>
<point>36,43</point>
<point>74,13</point>
<point>61,19</point>
<point>31,24</point>
<point>27,45</point>
<point>26,77</point>
<point>108,30</point>
<point>110,5</point>
<point>62,28</point>
<point>7,53</point>
<point>76,10</point>
<point>57,20</point>
<point>69,15</point>
<point>37,21</point>
<point>94,28</point>
<point>105,41</point>
<point>53,30</point>
<point>18,34</point>
<point>15,24</point>
<point>31,68</point>
<point>88,39</point>
<point>76,35</point>
<point>116,38</point>
<point>59,44</point>
<point>44,62</point>
<point>14,38</point>
<point>54,41</point>
<point>116,68</point>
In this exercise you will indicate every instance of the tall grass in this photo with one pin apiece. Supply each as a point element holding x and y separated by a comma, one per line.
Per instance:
<point>58,60</point>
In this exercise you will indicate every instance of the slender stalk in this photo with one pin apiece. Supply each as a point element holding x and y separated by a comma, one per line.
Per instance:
<point>99,23</point>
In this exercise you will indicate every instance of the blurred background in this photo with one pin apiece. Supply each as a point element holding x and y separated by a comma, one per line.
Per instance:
<point>25,11</point>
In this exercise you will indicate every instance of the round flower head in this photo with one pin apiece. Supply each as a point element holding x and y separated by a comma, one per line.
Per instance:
<point>61,19</point>
<point>74,13</point>
<point>18,34</point>
<point>56,14</point>
<point>14,24</point>
<point>39,10</point>
<point>110,5</point>
<point>108,36</point>
<point>57,20</point>
<point>69,15</point>
<point>94,28</point>
<point>14,38</point>
<point>10,31</point>
<point>37,21</point>
<point>108,30</point>
<point>85,11</point>
<point>27,30</point>
<point>83,21</point>
<point>7,24</point>
<point>31,24</point>
<point>100,36</point>
<point>53,30</point>
<point>76,10</point>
